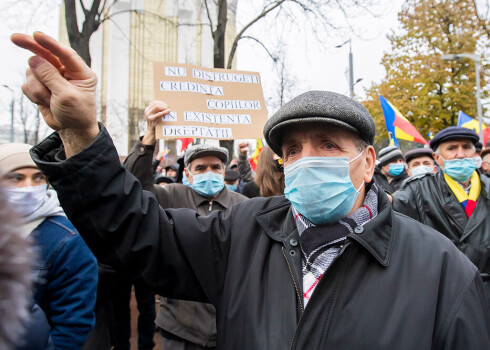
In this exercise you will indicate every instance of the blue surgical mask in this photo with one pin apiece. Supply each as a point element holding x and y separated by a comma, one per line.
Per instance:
<point>421,169</point>
<point>396,169</point>
<point>320,188</point>
<point>207,184</point>
<point>185,181</point>
<point>231,187</point>
<point>460,169</point>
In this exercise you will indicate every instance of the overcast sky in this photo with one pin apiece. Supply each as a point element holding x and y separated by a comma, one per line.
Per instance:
<point>309,64</point>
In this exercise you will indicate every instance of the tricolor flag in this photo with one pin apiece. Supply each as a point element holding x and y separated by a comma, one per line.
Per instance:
<point>398,125</point>
<point>466,121</point>
<point>254,159</point>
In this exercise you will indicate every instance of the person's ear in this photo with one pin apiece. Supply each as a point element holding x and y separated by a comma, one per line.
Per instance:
<point>370,160</point>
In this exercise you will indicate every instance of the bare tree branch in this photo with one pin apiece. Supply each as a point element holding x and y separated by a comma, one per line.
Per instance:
<point>261,15</point>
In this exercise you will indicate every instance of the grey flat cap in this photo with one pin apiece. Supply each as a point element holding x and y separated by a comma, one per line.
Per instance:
<point>389,154</point>
<point>320,107</point>
<point>204,150</point>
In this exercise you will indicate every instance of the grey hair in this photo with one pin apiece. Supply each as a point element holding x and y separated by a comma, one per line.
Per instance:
<point>360,143</point>
<point>16,278</point>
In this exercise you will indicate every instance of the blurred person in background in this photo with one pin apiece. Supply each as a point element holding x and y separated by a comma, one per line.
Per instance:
<point>269,178</point>
<point>16,258</point>
<point>66,270</point>
<point>390,172</point>
<point>420,161</point>
<point>485,165</point>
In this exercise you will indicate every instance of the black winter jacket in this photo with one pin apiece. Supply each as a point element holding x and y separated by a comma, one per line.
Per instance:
<point>429,200</point>
<point>396,284</point>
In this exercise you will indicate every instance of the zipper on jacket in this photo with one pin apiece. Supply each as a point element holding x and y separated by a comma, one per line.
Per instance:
<point>210,205</point>
<point>300,324</point>
<point>294,282</point>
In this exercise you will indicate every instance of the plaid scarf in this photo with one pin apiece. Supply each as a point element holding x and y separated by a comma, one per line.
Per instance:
<point>467,201</point>
<point>320,245</point>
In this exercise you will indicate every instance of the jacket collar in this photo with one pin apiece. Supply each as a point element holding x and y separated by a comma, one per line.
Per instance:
<point>376,236</point>
<point>224,198</point>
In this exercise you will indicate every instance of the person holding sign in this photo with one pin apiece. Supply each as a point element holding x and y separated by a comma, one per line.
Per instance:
<point>185,324</point>
<point>328,266</point>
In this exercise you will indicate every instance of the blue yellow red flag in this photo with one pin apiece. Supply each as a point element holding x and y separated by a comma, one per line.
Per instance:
<point>254,159</point>
<point>398,125</point>
<point>466,121</point>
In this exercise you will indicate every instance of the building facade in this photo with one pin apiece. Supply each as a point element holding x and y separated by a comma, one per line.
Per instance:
<point>137,33</point>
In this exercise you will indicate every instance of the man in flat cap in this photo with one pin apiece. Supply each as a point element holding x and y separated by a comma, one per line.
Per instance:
<point>185,324</point>
<point>420,161</point>
<point>455,201</point>
<point>329,265</point>
<point>390,172</point>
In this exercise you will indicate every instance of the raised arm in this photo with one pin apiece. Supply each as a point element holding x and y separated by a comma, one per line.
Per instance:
<point>139,160</point>
<point>63,87</point>
<point>244,168</point>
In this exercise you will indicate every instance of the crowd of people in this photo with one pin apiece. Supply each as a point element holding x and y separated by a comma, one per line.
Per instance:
<point>324,246</point>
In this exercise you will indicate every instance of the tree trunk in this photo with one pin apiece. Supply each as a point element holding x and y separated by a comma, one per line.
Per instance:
<point>219,34</point>
<point>79,40</point>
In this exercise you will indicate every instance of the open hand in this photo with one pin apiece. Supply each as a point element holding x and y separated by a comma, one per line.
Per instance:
<point>153,113</point>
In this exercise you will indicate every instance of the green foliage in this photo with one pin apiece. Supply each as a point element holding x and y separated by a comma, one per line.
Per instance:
<point>427,90</point>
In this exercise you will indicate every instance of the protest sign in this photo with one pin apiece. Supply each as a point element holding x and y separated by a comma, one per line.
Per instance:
<point>209,102</point>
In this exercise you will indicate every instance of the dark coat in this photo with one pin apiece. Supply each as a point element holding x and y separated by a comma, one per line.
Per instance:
<point>429,200</point>
<point>396,284</point>
<point>194,322</point>
<point>382,181</point>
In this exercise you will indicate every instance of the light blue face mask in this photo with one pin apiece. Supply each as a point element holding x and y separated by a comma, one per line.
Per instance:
<point>396,169</point>
<point>208,183</point>
<point>231,187</point>
<point>460,169</point>
<point>421,169</point>
<point>185,181</point>
<point>320,188</point>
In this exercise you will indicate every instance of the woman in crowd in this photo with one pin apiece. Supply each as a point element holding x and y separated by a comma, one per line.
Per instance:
<point>269,178</point>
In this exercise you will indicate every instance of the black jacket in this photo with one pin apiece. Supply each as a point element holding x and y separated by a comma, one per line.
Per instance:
<point>428,199</point>
<point>382,180</point>
<point>396,284</point>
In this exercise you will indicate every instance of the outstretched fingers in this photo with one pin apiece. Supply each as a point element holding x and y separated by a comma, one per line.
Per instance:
<point>75,67</point>
<point>27,42</point>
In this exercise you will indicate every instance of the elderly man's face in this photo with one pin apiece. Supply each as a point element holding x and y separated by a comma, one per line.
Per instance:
<point>203,165</point>
<point>485,165</point>
<point>454,149</point>
<point>421,161</point>
<point>316,140</point>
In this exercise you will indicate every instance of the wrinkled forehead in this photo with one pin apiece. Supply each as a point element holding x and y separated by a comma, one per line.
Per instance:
<point>457,142</point>
<point>206,160</point>
<point>421,159</point>
<point>311,131</point>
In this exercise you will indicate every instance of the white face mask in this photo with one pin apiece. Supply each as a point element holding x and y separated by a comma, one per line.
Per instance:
<point>25,200</point>
<point>422,169</point>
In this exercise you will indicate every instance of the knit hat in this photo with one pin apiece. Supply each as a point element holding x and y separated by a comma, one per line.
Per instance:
<point>15,156</point>
<point>389,154</point>
<point>204,150</point>
<point>323,107</point>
